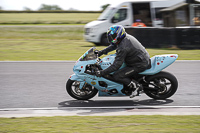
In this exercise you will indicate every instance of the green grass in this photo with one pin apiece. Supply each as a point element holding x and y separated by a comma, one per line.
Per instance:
<point>42,49</point>
<point>64,49</point>
<point>69,33</point>
<point>47,18</point>
<point>58,43</point>
<point>99,124</point>
<point>182,54</point>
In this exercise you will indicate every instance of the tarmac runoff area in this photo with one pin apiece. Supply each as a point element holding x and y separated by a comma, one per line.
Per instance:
<point>116,109</point>
<point>99,111</point>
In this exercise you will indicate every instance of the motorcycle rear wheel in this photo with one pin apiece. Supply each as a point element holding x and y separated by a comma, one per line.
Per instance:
<point>166,82</point>
<point>74,91</point>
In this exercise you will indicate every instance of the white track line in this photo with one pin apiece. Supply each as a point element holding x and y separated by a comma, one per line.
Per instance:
<point>114,107</point>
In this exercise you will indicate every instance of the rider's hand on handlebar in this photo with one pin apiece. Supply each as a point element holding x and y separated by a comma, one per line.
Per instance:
<point>100,53</point>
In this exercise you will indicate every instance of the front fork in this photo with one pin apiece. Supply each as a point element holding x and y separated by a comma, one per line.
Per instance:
<point>82,85</point>
<point>76,78</point>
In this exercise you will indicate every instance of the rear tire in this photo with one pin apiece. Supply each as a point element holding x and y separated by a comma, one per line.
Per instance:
<point>74,91</point>
<point>167,83</point>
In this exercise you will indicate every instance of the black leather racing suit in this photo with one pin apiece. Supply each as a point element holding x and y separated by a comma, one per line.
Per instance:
<point>130,51</point>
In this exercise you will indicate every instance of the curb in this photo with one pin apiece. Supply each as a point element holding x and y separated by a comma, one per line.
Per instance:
<point>99,111</point>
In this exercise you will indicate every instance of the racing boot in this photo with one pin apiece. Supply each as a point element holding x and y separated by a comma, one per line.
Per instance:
<point>135,87</point>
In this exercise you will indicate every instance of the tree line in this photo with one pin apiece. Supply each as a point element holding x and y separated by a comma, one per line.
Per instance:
<point>45,7</point>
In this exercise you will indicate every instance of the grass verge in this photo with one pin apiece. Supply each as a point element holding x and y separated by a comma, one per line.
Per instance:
<point>64,49</point>
<point>47,18</point>
<point>99,124</point>
<point>58,43</point>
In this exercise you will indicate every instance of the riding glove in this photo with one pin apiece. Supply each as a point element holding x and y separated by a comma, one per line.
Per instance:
<point>100,53</point>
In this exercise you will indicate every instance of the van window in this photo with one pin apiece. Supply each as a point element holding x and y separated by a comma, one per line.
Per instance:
<point>106,14</point>
<point>120,15</point>
<point>142,12</point>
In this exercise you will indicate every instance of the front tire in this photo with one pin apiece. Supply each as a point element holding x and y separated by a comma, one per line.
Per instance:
<point>74,91</point>
<point>166,82</point>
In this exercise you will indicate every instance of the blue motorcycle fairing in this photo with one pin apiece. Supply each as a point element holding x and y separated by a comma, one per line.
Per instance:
<point>79,70</point>
<point>74,77</point>
<point>105,90</point>
<point>160,62</point>
<point>79,67</point>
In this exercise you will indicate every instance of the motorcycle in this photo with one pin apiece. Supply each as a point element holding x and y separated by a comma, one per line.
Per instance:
<point>155,83</point>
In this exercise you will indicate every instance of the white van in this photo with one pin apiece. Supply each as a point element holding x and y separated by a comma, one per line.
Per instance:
<point>123,14</point>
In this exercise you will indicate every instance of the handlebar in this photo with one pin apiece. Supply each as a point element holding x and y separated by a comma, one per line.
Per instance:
<point>98,59</point>
<point>96,52</point>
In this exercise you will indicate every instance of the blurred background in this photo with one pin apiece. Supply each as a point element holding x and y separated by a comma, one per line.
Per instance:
<point>63,30</point>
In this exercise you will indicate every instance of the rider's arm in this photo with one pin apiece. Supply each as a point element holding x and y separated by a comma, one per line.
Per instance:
<point>107,50</point>
<point>119,60</point>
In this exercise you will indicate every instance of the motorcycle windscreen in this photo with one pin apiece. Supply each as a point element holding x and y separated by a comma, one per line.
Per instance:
<point>88,55</point>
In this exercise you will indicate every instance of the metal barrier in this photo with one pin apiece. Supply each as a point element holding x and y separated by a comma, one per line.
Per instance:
<point>185,38</point>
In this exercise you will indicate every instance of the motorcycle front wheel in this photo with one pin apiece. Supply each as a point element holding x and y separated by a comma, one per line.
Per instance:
<point>86,93</point>
<point>161,86</point>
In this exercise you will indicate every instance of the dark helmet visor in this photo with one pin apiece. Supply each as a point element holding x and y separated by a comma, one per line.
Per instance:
<point>111,37</point>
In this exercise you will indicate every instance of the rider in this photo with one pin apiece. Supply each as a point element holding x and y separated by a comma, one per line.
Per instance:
<point>128,50</point>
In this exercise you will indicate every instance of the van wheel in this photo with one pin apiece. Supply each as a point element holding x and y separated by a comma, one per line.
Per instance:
<point>104,40</point>
<point>97,44</point>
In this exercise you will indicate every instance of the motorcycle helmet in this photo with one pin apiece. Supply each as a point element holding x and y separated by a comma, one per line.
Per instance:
<point>116,34</point>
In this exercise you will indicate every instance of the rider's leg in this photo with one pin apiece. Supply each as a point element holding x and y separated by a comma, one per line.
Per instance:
<point>124,76</point>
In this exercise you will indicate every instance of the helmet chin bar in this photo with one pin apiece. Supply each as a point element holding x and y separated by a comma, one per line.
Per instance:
<point>112,38</point>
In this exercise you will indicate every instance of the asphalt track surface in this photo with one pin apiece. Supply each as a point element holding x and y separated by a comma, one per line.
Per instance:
<point>38,86</point>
